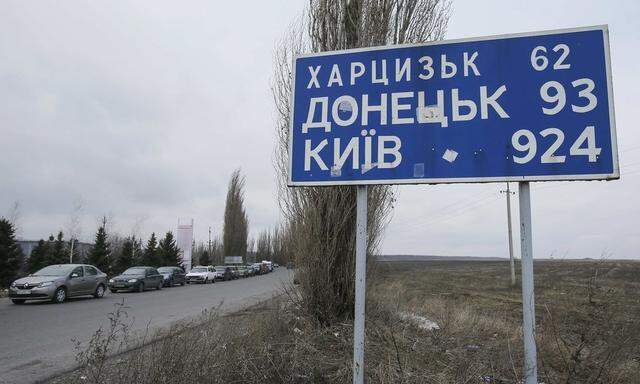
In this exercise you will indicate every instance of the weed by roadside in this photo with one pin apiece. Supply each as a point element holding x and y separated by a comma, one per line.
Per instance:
<point>587,333</point>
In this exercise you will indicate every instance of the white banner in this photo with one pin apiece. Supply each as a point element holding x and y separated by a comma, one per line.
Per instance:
<point>185,243</point>
<point>233,259</point>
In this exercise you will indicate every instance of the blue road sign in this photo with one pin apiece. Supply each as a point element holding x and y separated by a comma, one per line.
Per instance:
<point>526,107</point>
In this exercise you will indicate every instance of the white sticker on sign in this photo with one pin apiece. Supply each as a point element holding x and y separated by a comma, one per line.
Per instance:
<point>450,155</point>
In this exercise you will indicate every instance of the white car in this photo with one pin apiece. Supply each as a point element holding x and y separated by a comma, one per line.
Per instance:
<point>201,274</point>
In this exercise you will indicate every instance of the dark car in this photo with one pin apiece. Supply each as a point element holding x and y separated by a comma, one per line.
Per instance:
<point>172,276</point>
<point>223,273</point>
<point>58,282</point>
<point>235,271</point>
<point>136,279</point>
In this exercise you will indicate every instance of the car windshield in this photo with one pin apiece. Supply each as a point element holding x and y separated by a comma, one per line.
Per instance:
<point>134,271</point>
<point>165,270</point>
<point>201,269</point>
<point>55,270</point>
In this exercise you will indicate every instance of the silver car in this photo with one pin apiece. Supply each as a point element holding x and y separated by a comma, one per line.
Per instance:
<point>58,282</point>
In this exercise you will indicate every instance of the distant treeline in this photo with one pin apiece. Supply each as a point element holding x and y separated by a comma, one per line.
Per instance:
<point>112,254</point>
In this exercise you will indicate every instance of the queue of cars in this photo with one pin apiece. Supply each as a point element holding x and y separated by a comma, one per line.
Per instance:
<point>58,282</point>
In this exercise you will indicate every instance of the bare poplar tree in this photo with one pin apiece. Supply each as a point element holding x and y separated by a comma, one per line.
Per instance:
<point>216,250</point>
<point>236,223</point>
<point>322,219</point>
<point>263,246</point>
<point>138,224</point>
<point>251,254</point>
<point>14,216</point>
<point>73,226</point>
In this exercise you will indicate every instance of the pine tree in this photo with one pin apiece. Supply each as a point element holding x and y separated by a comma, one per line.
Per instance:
<point>125,257</point>
<point>58,254</point>
<point>100,255</point>
<point>169,254</point>
<point>39,256</point>
<point>11,256</point>
<point>204,258</point>
<point>150,255</point>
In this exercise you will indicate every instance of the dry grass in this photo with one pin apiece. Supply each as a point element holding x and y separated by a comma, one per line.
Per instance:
<point>588,316</point>
<point>587,333</point>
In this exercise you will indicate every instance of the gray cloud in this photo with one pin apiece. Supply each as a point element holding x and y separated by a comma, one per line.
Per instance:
<point>144,109</point>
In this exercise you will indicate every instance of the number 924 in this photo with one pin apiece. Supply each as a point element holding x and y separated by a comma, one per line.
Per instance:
<point>525,142</point>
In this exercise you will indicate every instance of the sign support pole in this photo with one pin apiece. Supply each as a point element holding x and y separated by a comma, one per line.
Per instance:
<point>528,304</point>
<point>361,275</point>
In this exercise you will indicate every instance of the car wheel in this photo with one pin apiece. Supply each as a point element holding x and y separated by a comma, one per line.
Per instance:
<point>99,291</point>
<point>18,301</point>
<point>182,284</point>
<point>59,296</point>
<point>141,287</point>
<point>159,287</point>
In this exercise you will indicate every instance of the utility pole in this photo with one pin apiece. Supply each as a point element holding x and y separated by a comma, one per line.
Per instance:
<point>511,260</point>
<point>210,255</point>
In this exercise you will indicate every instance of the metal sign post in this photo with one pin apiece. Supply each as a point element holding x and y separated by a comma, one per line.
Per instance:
<point>361,277</point>
<point>528,304</point>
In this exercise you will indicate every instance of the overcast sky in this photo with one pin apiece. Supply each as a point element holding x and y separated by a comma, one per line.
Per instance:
<point>142,109</point>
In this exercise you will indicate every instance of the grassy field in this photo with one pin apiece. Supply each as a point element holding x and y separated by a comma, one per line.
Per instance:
<point>587,314</point>
<point>485,285</point>
<point>588,331</point>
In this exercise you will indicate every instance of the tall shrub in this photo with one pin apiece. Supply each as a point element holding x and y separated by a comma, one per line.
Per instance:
<point>322,219</point>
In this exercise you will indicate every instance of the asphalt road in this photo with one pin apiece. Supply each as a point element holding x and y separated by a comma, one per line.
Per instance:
<point>36,338</point>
